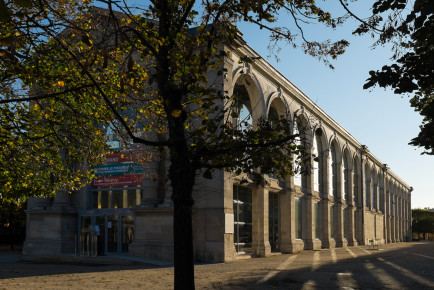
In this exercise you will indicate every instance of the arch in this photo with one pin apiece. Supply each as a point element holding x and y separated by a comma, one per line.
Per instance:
<point>276,100</point>
<point>254,90</point>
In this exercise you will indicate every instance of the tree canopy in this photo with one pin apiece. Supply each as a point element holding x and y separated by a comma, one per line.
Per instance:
<point>408,26</point>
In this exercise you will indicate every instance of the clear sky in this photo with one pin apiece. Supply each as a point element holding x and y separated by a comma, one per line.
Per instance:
<point>383,121</point>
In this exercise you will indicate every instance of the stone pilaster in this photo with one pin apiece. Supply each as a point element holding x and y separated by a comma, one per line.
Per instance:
<point>341,240</point>
<point>310,243</point>
<point>261,244</point>
<point>350,210</point>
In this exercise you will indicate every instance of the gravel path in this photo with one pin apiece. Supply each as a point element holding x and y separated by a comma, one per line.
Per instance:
<point>394,266</point>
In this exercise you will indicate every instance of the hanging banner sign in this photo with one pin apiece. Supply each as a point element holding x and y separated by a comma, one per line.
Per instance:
<point>119,157</point>
<point>118,169</point>
<point>126,156</point>
<point>118,181</point>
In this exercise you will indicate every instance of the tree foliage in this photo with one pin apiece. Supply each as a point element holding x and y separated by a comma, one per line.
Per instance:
<point>422,221</point>
<point>408,26</point>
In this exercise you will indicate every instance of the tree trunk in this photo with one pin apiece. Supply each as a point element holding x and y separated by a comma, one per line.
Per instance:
<point>182,177</point>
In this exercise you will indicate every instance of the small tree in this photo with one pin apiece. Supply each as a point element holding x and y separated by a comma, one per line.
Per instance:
<point>422,221</point>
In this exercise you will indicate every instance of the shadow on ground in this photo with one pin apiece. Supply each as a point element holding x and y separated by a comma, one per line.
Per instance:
<point>398,266</point>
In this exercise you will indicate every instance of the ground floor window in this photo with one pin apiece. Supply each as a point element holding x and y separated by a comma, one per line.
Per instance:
<point>298,218</point>
<point>332,222</point>
<point>316,217</point>
<point>242,219</point>
<point>345,217</point>
<point>273,221</point>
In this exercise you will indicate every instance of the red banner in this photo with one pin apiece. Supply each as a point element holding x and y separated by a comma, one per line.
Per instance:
<point>118,181</point>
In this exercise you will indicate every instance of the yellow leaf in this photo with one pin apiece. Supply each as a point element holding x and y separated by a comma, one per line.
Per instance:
<point>61,83</point>
<point>176,113</point>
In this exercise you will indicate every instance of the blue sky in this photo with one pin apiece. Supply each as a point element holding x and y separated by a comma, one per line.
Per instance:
<point>383,121</point>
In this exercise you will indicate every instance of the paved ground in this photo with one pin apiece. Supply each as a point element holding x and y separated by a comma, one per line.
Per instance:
<point>394,266</point>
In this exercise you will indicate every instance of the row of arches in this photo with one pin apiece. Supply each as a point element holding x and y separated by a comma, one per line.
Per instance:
<point>346,181</point>
<point>344,159</point>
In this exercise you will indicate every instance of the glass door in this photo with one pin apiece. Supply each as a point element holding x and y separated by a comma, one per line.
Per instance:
<point>112,233</point>
<point>100,234</point>
<point>242,219</point>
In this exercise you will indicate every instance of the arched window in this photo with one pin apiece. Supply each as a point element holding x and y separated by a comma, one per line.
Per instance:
<point>346,174</point>
<point>333,172</point>
<point>316,164</point>
<point>297,176</point>
<point>374,188</point>
<point>367,185</point>
<point>330,177</point>
<point>355,182</point>
<point>244,120</point>
<point>381,192</point>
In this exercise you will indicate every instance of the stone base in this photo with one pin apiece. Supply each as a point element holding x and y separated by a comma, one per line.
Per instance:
<point>262,249</point>
<point>153,234</point>
<point>342,243</point>
<point>152,250</point>
<point>328,244</point>
<point>312,244</point>
<point>352,242</point>
<point>294,246</point>
<point>50,232</point>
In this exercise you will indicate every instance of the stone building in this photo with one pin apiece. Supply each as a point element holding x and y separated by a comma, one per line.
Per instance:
<point>349,198</point>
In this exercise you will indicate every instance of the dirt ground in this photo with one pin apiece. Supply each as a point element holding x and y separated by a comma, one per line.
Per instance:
<point>393,266</point>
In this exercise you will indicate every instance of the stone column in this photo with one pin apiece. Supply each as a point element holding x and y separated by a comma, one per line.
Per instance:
<point>387,215</point>
<point>394,229</point>
<point>384,204</point>
<point>341,241</point>
<point>287,220</point>
<point>327,241</point>
<point>310,243</point>
<point>401,218</point>
<point>260,244</point>
<point>405,219</point>
<point>410,213</point>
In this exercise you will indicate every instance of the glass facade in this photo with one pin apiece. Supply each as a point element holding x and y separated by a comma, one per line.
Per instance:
<point>122,198</point>
<point>242,219</point>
